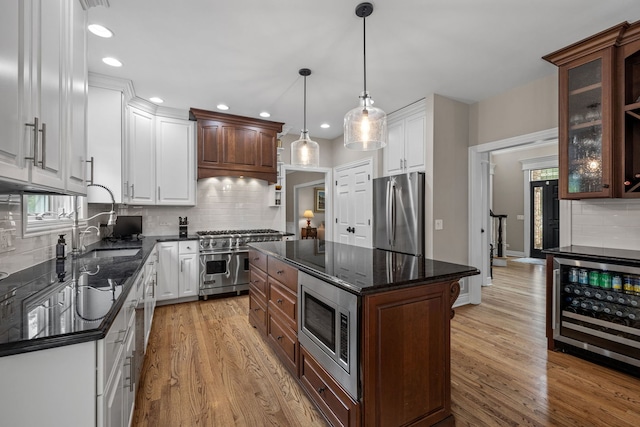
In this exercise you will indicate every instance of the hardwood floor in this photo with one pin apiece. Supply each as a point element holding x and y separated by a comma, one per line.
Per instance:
<point>502,374</point>
<point>206,366</point>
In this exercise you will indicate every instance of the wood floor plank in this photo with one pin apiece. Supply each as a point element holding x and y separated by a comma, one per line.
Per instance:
<point>206,366</point>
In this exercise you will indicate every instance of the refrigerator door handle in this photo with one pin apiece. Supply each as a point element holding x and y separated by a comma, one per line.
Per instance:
<point>392,215</point>
<point>388,213</point>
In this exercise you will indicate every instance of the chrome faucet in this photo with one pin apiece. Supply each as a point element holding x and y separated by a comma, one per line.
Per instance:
<point>74,229</point>
<point>85,231</point>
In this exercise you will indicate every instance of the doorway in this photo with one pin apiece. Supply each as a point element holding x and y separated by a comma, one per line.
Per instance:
<point>545,216</point>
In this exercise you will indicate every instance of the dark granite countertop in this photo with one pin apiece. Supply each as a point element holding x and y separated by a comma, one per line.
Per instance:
<point>76,300</point>
<point>359,270</point>
<point>589,253</point>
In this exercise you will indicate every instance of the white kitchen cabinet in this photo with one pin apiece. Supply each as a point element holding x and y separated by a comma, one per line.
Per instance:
<point>175,161</point>
<point>188,281</point>
<point>167,270</point>
<point>177,270</point>
<point>150,278</point>
<point>41,94</point>
<point>78,90</point>
<point>405,151</point>
<point>160,160</point>
<point>128,372</point>
<point>141,167</point>
<point>105,116</point>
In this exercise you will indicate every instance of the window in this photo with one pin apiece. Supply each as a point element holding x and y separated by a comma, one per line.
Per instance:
<point>42,213</point>
<point>544,174</point>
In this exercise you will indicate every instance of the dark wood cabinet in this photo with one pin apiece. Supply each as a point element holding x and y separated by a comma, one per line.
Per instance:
<point>333,401</point>
<point>230,145</point>
<point>406,356</point>
<point>599,114</point>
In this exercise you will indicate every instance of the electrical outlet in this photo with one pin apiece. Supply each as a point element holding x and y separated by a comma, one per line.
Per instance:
<point>520,217</point>
<point>438,224</point>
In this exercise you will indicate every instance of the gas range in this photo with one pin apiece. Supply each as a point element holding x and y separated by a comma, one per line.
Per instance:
<point>233,240</point>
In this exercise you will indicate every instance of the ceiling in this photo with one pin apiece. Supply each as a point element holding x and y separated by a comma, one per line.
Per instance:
<point>247,53</point>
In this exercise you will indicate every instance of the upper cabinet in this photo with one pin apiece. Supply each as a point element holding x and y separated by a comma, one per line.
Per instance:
<point>43,95</point>
<point>169,178</point>
<point>629,101</point>
<point>599,114</point>
<point>231,145</point>
<point>405,151</point>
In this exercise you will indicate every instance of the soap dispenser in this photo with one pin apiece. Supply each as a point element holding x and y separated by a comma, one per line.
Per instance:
<point>61,248</point>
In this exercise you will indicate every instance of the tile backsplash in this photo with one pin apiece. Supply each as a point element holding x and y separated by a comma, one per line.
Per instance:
<point>223,203</point>
<point>611,223</point>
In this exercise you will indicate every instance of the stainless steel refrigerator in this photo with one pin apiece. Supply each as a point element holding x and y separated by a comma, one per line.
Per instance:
<point>398,213</point>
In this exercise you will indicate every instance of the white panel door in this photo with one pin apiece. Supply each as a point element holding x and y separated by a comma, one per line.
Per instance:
<point>175,153</point>
<point>167,271</point>
<point>12,129</point>
<point>189,275</point>
<point>141,158</point>
<point>415,132</point>
<point>394,151</point>
<point>77,152</point>
<point>47,80</point>
<point>353,205</point>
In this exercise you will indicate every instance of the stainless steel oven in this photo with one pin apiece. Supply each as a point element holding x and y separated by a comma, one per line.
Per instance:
<point>328,329</point>
<point>224,259</point>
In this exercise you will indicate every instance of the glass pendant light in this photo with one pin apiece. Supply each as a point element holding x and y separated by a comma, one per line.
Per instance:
<point>365,127</point>
<point>304,151</point>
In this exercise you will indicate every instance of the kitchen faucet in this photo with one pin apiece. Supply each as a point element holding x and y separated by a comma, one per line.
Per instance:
<point>85,231</point>
<point>75,249</point>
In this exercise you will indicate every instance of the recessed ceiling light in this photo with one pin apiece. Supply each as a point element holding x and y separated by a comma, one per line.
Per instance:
<point>325,126</point>
<point>265,114</point>
<point>222,107</point>
<point>100,31</point>
<point>112,61</point>
<point>156,100</point>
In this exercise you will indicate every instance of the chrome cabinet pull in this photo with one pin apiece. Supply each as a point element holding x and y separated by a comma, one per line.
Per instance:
<point>181,265</point>
<point>158,193</point>
<point>133,192</point>
<point>35,125</point>
<point>90,173</point>
<point>43,146</point>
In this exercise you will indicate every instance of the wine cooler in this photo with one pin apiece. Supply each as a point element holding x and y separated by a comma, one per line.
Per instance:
<point>597,310</point>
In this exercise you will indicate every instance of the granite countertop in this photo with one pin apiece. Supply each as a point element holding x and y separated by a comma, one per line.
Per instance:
<point>589,253</point>
<point>359,270</point>
<point>68,302</point>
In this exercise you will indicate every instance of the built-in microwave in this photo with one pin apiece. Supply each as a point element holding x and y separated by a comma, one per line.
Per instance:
<point>328,329</point>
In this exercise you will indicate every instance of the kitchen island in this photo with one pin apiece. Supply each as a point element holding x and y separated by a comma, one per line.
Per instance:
<point>402,317</point>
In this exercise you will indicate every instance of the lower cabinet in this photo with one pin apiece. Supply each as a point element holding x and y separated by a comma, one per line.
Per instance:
<point>177,270</point>
<point>334,402</point>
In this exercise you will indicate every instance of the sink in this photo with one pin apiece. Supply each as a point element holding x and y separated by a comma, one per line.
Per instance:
<point>113,253</point>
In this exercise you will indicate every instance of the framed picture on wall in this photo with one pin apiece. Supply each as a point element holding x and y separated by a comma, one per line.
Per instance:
<point>318,197</point>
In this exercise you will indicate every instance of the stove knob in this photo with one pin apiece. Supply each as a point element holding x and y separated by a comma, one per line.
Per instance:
<point>214,243</point>
<point>205,243</point>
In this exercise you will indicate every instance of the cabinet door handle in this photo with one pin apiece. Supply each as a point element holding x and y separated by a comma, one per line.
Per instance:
<point>279,271</point>
<point>126,188</point>
<point>36,132</point>
<point>256,258</point>
<point>158,192</point>
<point>321,390</point>
<point>279,337</point>
<point>256,309</point>
<point>279,300</point>
<point>605,185</point>
<point>43,146</point>
<point>181,265</point>
<point>90,173</point>
<point>132,191</point>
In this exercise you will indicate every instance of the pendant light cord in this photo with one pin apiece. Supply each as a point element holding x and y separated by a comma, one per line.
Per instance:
<point>364,51</point>
<point>305,104</point>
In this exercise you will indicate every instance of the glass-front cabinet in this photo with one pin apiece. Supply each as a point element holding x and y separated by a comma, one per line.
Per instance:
<point>587,145</point>
<point>629,95</point>
<point>588,133</point>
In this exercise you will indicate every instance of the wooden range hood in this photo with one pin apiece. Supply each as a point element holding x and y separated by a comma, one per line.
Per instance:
<point>230,145</point>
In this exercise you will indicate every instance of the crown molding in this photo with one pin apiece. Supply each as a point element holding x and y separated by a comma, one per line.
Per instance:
<point>114,83</point>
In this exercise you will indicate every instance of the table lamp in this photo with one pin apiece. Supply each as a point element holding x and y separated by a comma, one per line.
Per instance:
<point>308,214</point>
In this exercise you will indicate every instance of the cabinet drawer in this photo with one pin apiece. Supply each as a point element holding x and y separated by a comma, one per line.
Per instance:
<point>332,400</point>
<point>258,259</point>
<point>109,350</point>
<point>284,273</point>
<point>257,314</point>
<point>188,247</point>
<point>285,343</point>
<point>284,302</point>
<point>258,281</point>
